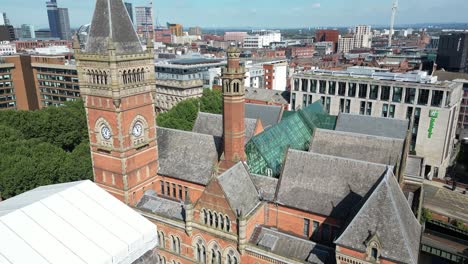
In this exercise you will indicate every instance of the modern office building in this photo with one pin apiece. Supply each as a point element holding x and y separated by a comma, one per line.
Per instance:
<point>129,7</point>
<point>7,33</point>
<point>27,31</point>
<point>345,44</point>
<point>452,54</point>
<point>261,38</point>
<point>59,21</point>
<point>461,78</point>
<point>53,15</point>
<point>64,24</point>
<point>144,21</point>
<point>4,19</point>
<point>236,37</point>
<point>176,29</point>
<point>328,36</point>
<point>324,48</point>
<point>432,106</point>
<point>44,34</point>
<point>195,31</point>
<point>17,90</point>
<point>362,36</point>
<point>163,35</point>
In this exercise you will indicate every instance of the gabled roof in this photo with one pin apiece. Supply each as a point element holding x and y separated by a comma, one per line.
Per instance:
<point>212,124</point>
<point>266,186</point>
<point>373,149</point>
<point>270,115</point>
<point>291,247</point>
<point>239,189</point>
<point>187,156</point>
<point>387,215</point>
<point>111,22</point>
<point>74,222</point>
<point>375,126</point>
<point>326,185</point>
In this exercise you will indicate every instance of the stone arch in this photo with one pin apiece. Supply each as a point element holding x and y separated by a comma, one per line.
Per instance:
<point>227,86</point>
<point>124,77</point>
<point>228,224</point>
<point>199,249</point>
<point>204,216</point>
<point>236,86</point>
<point>215,252</point>
<point>105,77</point>
<point>216,220</point>
<point>134,76</point>
<point>210,217</point>
<point>161,239</point>
<point>231,256</point>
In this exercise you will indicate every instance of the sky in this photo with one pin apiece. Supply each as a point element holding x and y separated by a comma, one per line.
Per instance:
<point>257,13</point>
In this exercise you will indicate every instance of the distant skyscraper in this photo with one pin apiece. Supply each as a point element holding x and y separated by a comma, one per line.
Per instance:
<point>362,36</point>
<point>144,21</point>
<point>195,31</point>
<point>59,22</point>
<point>64,24</point>
<point>27,32</point>
<point>129,8</point>
<point>6,21</point>
<point>53,14</point>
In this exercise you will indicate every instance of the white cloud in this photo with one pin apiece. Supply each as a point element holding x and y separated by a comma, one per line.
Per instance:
<point>316,5</point>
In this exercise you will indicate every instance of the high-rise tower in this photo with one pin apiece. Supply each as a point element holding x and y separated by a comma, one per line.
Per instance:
<point>117,82</point>
<point>233,110</point>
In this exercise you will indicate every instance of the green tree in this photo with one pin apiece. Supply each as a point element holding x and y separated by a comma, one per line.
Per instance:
<point>183,115</point>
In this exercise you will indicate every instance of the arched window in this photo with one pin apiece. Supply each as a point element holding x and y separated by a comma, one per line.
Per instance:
<point>210,218</point>
<point>228,224</point>
<point>133,76</point>
<point>205,217</point>
<point>175,244</point>
<point>124,77</point>
<point>162,260</point>
<point>216,220</point>
<point>105,78</point>
<point>374,253</point>
<point>201,252</point>
<point>221,222</point>
<point>161,239</point>
<point>231,258</point>
<point>94,77</point>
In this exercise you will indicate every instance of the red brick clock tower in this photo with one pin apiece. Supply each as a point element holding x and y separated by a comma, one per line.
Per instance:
<point>233,110</point>
<point>117,82</point>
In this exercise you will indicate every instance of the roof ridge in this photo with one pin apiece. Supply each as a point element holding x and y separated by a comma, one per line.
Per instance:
<point>340,158</point>
<point>402,225</point>
<point>360,135</point>
<point>221,115</point>
<point>184,132</point>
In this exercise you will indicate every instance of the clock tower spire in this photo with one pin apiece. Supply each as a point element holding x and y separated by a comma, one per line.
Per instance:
<point>117,82</point>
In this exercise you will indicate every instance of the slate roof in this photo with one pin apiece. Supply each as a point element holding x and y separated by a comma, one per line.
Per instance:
<point>267,95</point>
<point>266,186</point>
<point>114,25</point>
<point>187,156</point>
<point>239,189</point>
<point>373,149</point>
<point>270,115</point>
<point>150,202</point>
<point>212,124</point>
<point>375,126</point>
<point>327,185</point>
<point>450,76</point>
<point>75,222</point>
<point>386,214</point>
<point>291,247</point>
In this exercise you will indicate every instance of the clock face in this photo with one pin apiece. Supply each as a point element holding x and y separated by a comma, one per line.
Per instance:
<point>137,130</point>
<point>106,133</point>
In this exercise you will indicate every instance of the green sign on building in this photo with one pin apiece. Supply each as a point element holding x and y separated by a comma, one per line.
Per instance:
<point>433,114</point>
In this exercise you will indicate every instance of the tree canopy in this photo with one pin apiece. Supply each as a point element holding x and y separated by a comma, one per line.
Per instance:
<point>183,115</point>
<point>43,147</point>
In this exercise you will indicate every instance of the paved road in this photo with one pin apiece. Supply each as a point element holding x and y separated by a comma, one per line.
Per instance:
<point>444,201</point>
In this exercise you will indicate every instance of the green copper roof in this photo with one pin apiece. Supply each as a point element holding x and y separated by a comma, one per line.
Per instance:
<point>266,151</point>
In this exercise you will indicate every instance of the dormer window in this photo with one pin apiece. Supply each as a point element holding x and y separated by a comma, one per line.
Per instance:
<point>374,253</point>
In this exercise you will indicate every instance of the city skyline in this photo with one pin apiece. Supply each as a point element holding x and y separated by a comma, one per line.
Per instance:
<point>232,13</point>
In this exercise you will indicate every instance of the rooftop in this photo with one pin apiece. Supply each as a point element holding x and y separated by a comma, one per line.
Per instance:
<point>375,126</point>
<point>74,222</point>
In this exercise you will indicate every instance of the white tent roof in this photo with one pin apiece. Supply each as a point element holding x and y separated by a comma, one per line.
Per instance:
<point>72,223</point>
